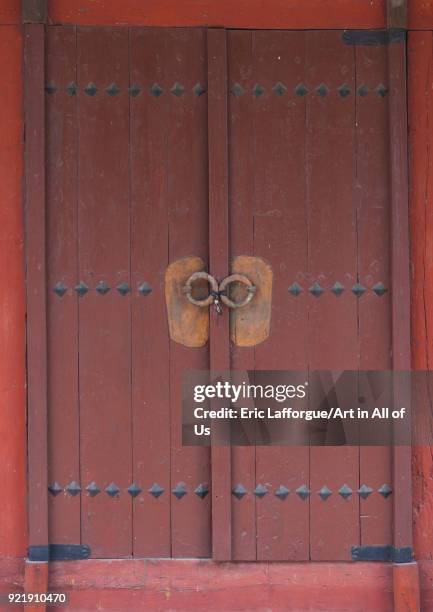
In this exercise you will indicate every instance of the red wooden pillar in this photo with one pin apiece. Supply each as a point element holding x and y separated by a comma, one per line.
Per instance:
<point>13,539</point>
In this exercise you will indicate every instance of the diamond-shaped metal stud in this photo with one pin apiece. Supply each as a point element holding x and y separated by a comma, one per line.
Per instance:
<point>55,489</point>
<point>102,288</point>
<point>381,90</point>
<point>135,90</point>
<point>237,90</point>
<point>258,90</point>
<point>145,289</point>
<point>279,88</point>
<point>93,489</point>
<point>301,90</point>
<point>337,289</point>
<point>239,491</point>
<point>358,290</point>
<point>91,89</point>
<point>156,90</point>
<point>295,289</point>
<point>123,288</point>
<point>179,490</point>
<point>198,89</point>
<point>201,491</point>
<point>322,90</point>
<point>51,87</point>
<point>379,289</point>
<point>73,488</point>
<point>364,491</point>
<point>324,493</point>
<point>303,492</point>
<point>178,90</point>
<point>345,491</point>
<point>81,289</point>
<point>156,490</point>
<point>385,490</point>
<point>60,289</point>
<point>260,491</point>
<point>362,91</point>
<point>344,90</point>
<point>282,492</point>
<point>316,290</point>
<point>112,90</point>
<point>71,89</point>
<point>112,490</point>
<point>134,490</point>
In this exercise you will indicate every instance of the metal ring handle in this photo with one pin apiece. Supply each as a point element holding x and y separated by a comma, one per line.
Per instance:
<point>237,278</point>
<point>213,286</point>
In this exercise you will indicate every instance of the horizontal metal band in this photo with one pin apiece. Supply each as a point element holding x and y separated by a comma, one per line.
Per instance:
<point>382,553</point>
<point>373,38</point>
<point>59,552</point>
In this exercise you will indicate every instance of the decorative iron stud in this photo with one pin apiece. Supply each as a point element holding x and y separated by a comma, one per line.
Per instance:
<point>102,288</point>
<point>134,490</point>
<point>258,90</point>
<point>239,491</point>
<point>260,491</point>
<point>358,290</point>
<point>337,289</point>
<point>316,290</point>
<point>324,493</point>
<point>345,491</point>
<point>295,289</point>
<point>282,492</point>
<point>156,90</point>
<point>55,489</point>
<point>112,490</point>
<point>91,89</point>
<point>237,90</point>
<point>364,491</point>
<point>362,91</point>
<point>322,90</point>
<point>303,492</point>
<point>123,288</point>
<point>81,288</point>
<point>93,489</point>
<point>135,90</point>
<point>60,289</point>
<point>71,89</point>
<point>385,490</point>
<point>379,289</point>
<point>198,89</point>
<point>344,90</point>
<point>301,90</point>
<point>381,90</point>
<point>51,87</point>
<point>73,488</point>
<point>145,289</point>
<point>156,490</point>
<point>112,90</point>
<point>179,490</point>
<point>201,491</point>
<point>178,90</point>
<point>279,88</point>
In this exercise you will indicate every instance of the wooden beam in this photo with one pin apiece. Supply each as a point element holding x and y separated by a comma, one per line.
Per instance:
<point>34,11</point>
<point>397,14</point>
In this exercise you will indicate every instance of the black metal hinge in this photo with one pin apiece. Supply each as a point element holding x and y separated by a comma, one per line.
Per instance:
<point>373,38</point>
<point>382,553</point>
<point>59,552</point>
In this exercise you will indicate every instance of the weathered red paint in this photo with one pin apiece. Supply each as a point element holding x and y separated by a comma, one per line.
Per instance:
<point>10,12</point>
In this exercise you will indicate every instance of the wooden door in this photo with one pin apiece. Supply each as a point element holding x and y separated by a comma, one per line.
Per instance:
<point>127,194</point>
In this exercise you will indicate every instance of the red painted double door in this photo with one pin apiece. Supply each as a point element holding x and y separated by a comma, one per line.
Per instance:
<point>127,194</point>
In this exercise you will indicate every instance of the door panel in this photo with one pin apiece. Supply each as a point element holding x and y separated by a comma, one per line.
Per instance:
<point>127,171</point>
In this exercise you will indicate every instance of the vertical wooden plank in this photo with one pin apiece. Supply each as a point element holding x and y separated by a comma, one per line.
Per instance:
<point>150,341</point>
<point>104,319</point>
<point>333,321</point>
<point>187,194</point>
<point>62,271</point>
<point>219,265</point>
<point>34,76</point>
